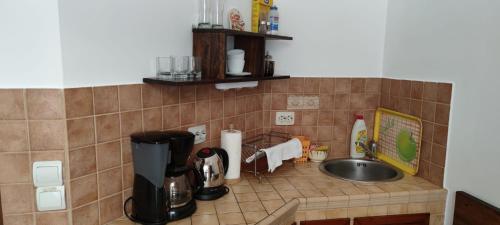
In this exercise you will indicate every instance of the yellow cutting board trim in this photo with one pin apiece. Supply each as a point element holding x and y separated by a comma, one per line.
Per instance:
<point>376,133</point>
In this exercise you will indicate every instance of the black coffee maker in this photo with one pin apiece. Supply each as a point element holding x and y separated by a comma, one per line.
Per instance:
<point>162,191</point>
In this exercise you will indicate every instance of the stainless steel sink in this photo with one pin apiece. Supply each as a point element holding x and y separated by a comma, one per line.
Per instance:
<point>360,170</point>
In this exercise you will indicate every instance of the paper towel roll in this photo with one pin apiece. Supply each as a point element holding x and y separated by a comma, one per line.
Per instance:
<point>231,142</point>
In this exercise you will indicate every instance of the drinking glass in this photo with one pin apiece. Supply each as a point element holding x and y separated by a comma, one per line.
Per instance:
<point>217,9</point>
<point>164,67</point>
<point>195,67</point>
<point>181,67</point>
<point>204,14</point>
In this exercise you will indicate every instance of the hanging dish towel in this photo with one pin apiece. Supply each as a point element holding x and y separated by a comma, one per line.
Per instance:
<point>278,153</point>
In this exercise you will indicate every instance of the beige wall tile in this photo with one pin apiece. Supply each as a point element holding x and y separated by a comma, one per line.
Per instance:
<point>14,168</point>
<point>108,155</point>
<point>151,95</point>
<point>83,190</point>
<point>171,117</point>
<point>86,215</point>
<point>152,119</point>
<point>130,97</point>
<point>110,182</point>
<point>17,198</point>
<point>13,136</point>
<point>12,104</point>
<point>110,208</point>
<point>131,122</point>
<point>106,99</point>
<point>79,102</point>
<point>107,127</point>
<point>25,219</point>
<point>52,218</point>
<point>81,132</point>
<point>45,104</point>
<point>82,162</point>
<point>47,134</point>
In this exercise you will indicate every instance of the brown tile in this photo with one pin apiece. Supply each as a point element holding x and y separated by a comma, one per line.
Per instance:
<point>385,101</point>
<point>427,131</point>
<point>203,92</point>
<point>436,174</point>
<point>373,85</point>
<point>170,95</point>
<point>108,155</point>
<point>12,104</point>
<point>110,208</point>
<point>416,108</point>
<point>279,101</point>
<point>428,111</point>
<point>266,101</point>
<point>341,101</point>
<point>202,111</point>
<point>339,133</point>
<point>128,175</point>
<point>83,190</point>
<point>311,85</point>
<point>438,155</point>
<point>152,119</point>
<point>86,215</point>
<point>395,87</point>
<point>325,133</point>
<point>215,93</point>
<point>440,135</point>
<point>47,134</point>
<point>426,151</point>
<point>372,101</point>
<point>229,107</point>
<point>187,112</point>
<point>45,103</point>
<point>171,117</point>
<point>325,118</point>
<point>187,94</point>
<point>311,132</point>
<point>405,90</point>
<point>386,86</point>
<point>215,128</point>
<point>216,109</point>
<point>52,218</point>
<point>310,118</point>
<point>81,132</point>
<point>357,102</point>
<point>24,219</point>
<point>357,85</point>
<point>249,121</point>
<point>279,86</point>
<point>130,97</point>
<point>107,127</point>
<point>48,156</point>
<point>13,136</point>
<point>110,182</point>
<point>326,102</point>
<point>82,162</point>
<point>423,169</point>
<point>430,91</point>
<point>131,122</point>
<point>296,85</point>
<point>417,89</point>
<point>105,99</point>
<point>341,118</point>
<point>404,105</point>
<point>17,198</point>
<point>327,86</point>
<point>151,96</point>
<point>126,150</point>
<point>238,122</point>
<point>14,168</point>
<point>240,105</point>
<point>442,114</point>
<point>444,93</point>
<point>79,102</point>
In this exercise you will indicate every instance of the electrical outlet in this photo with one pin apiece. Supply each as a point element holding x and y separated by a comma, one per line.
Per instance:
<point>285,118</point>
<point>200,133</point>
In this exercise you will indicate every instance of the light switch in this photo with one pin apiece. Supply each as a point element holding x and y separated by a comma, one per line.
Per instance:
<point>50,198</point>
<point>47,173</point>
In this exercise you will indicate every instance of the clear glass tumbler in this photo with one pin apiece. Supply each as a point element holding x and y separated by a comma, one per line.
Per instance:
<point>195,67</point>
<point>181,67</point>
<point>204,14</point>
<point>164,67</point>
<point>217,8</point>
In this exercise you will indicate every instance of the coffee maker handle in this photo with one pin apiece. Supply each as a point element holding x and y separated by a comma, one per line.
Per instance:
<point>225,158</point>
<point>125,209</point>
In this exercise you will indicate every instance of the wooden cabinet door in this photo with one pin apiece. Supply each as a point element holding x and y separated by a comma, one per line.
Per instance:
<point>410,219</point>
<point>327,222</point>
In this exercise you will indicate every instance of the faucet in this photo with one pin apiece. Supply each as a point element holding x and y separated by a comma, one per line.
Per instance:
<point>370,149</point>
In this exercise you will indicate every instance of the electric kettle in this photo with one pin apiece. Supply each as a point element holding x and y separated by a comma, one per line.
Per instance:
<point>212,165</point>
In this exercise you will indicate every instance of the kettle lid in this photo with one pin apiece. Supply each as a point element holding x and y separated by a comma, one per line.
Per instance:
<point>205,153</point>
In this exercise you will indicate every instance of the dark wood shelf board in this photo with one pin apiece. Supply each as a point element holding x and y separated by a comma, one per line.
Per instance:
<point>184,82</point>
<point>242,33</point>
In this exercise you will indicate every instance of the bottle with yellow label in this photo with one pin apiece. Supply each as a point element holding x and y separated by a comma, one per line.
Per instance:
<point>359,134</point>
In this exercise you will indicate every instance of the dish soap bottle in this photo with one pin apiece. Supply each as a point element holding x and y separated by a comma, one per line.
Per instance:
<point>359,134</point>
<point>274,18</point>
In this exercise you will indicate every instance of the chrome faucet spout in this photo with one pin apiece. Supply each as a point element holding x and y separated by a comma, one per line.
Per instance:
<point>370,149</point>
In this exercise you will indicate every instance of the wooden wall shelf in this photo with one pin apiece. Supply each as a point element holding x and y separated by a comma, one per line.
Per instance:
<point>184,82</point>
<point>242,33</point>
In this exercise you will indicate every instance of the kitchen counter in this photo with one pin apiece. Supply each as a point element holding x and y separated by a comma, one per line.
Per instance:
<point>321,197</point>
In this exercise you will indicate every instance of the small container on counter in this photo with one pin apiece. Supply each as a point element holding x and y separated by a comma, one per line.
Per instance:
<point>268,65</point>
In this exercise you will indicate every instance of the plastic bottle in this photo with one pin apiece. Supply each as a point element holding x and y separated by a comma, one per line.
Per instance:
<point>359,134</point>
<point>274,18</point>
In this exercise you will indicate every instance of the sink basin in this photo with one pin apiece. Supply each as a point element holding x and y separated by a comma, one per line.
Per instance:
<point>360,170</point>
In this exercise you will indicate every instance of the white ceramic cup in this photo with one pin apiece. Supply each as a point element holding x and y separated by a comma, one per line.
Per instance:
<point>236,57</point>
<point>235,65</point>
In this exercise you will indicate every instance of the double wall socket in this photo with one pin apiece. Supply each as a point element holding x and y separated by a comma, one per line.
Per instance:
<point>200,133</point>
<point>285,118</point>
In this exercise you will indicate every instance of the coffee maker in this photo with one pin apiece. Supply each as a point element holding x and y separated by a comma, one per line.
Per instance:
<point>162,190</point>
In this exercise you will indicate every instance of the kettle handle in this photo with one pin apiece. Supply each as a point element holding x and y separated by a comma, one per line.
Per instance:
<point>199,179</point>
<point>224,156</point>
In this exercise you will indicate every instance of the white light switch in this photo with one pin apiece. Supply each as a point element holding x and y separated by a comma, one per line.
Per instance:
<point>47,173</point>
<point>50,198</point>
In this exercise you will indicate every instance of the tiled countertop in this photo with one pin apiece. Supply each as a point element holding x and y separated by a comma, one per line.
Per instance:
<point>320,196</point>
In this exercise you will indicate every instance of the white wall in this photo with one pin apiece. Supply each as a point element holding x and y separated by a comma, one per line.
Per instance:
<point>116,41</point>
<point>458,41</point>
<point>30,49</point>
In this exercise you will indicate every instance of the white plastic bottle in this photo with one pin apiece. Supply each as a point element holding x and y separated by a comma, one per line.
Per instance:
<point>274,18</point>
<point>359,134</point>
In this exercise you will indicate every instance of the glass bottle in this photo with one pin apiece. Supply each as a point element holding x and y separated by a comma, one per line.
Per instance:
<point>204,14</point>
<point>217,8</point>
